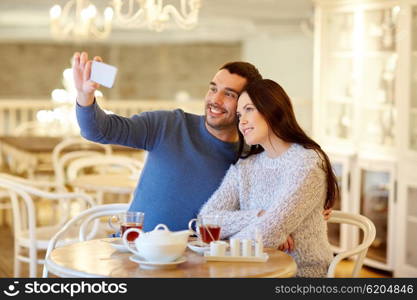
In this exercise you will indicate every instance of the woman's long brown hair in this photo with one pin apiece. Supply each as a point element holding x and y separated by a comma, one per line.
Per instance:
<point>275,106</point>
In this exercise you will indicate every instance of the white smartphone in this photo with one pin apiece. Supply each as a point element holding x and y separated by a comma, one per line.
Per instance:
<point>103,74</point>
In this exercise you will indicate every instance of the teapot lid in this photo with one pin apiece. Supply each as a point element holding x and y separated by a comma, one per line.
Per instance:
<point>160,234</point>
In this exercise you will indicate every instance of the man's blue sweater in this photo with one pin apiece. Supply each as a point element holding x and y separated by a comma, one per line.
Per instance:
<point>185,163</point>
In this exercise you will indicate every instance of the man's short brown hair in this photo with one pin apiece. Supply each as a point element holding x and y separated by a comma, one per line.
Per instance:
<point>243,69</point>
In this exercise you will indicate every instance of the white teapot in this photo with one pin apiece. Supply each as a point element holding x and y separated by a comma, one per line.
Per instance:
<point>158,245</point>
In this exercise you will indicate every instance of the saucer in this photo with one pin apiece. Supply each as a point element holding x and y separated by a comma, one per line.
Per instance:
<point>117,244</point>
<point>198,246</point>
<point>144,264</point>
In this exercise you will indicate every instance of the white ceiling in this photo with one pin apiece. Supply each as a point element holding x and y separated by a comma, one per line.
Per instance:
<point>220,20</point>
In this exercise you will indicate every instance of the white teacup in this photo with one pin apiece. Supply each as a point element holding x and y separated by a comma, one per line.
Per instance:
<point>208,228</point>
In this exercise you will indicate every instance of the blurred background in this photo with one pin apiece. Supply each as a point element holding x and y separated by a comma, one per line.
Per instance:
<point>174,63</point>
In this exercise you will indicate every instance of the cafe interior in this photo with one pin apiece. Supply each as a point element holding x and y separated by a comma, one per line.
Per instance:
<point>348,66</point>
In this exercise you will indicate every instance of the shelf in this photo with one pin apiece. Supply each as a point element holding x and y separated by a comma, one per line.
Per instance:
<point>376,264</point>
<point>412,219</point>
<point>378,254</point>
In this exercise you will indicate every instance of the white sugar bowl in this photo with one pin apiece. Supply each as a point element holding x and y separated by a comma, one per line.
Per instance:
<point>158,245</point>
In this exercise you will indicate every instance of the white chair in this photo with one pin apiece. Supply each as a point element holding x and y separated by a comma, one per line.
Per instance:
<point>5,203</point>
<point>41,184</point>
<point>83,222</point>
<point>27,235</point>
<point>360,250</point>
<point>61,164</point>
<point>105,164</point>
<point>70,149</point>
<point>109,164</point>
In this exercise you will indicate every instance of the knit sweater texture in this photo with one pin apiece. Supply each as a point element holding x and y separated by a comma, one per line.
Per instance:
<point>291,189</point>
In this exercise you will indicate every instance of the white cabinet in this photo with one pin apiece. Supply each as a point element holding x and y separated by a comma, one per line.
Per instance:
<point>355,71</point>
<point>406,260</point>
<point>342,166</point>
<point>365,114</point>
<point>374,196</point>
<point>412,103</point>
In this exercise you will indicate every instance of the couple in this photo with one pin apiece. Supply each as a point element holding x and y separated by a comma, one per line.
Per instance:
<point>281,190</point>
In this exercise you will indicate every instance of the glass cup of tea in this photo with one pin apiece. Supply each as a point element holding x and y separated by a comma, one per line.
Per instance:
<point>208,228</point>
<point>126,220</point>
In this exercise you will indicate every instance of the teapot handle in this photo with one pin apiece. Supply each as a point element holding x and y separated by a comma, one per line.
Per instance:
<point>127,243</point>
<point>161,226</point>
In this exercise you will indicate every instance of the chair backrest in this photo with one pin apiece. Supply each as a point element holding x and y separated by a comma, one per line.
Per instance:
<point>83,220</point>
<point>106,164</point>
<point>62,163</point>
<point>22,193</point>
<point>40,184</point>
<point>369,231</point>
<point>70,149</point>
<point>4,200</point>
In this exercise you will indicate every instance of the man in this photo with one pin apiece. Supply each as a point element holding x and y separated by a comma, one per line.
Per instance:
<point>188,154</point>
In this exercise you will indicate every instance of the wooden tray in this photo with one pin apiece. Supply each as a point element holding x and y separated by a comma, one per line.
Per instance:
<point>228,257</point>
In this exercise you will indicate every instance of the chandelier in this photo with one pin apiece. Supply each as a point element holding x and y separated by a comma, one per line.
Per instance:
<point>78,20</point>
<point>154,14</point>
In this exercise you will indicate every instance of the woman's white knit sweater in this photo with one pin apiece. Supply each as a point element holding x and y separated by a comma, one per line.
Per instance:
<point>291,189</point>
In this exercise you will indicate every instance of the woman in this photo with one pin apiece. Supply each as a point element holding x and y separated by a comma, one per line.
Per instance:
<point>283,188</point>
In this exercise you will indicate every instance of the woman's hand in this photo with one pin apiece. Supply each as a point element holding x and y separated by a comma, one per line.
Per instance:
<point>288,245</point>
<point>327,213</point>
<point>260,213</point>
<point>81,69</point>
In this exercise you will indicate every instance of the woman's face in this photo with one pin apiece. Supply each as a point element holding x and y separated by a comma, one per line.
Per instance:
<point>251,123</point>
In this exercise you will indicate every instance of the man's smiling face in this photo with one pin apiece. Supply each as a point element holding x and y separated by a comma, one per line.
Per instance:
<point>221,100</point>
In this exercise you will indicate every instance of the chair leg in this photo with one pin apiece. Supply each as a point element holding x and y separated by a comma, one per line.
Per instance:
<point>17,262</point>
<point>358,264</point>
<point>33,263</point>
<point>44,272</point>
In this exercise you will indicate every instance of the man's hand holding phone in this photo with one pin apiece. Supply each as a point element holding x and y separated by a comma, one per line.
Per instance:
<point>88,75</point>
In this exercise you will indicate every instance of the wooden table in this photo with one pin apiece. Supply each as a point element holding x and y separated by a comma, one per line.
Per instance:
<point>97,258</point>
<point>108,183</point>
<point>27,154</point>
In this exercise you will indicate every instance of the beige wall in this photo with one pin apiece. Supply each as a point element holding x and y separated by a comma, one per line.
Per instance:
<point>287,59</point>
<point>33,70</point>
